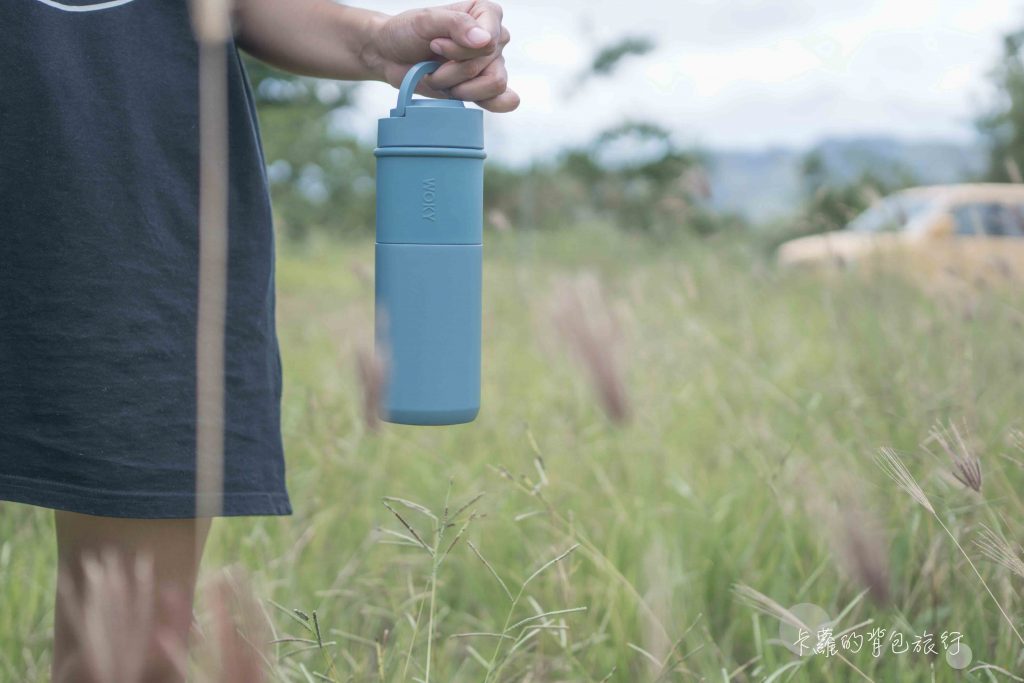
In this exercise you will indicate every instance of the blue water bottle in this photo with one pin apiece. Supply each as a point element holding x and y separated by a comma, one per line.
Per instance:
<point>428,257</point>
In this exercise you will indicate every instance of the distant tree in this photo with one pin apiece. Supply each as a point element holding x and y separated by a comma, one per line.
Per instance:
<point>638,175</point>
<point>830,202</point>
<point>1003,127</point>
<point>320,176</point>
<point>634,173</point>
<point>607,58</point>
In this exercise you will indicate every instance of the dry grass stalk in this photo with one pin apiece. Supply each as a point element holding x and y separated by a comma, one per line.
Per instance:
<point>586,323</point>
<point>998,549</point>
<point>363,273</point>
<point>855,535</point>
<point>890,462</point>
<point>862,550</point>
<point>499,220</point>
<point>760,602</point>
<point>966,466</point>
<point>372,371</point>
<point>1013,170</point>
<point>113,616</point>
<point>658,577</point>
<point>865,556</point>
<point>211,22</point>
<point>765,605</point>
<point>696,183</point>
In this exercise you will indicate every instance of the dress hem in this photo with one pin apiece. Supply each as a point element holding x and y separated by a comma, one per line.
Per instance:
<point>146,505</point>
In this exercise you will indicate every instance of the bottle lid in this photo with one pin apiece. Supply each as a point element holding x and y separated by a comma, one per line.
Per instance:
<point>421,122</point>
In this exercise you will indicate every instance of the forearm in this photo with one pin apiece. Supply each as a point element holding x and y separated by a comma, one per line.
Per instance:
<point>311,37</point>
<point>325,39</point>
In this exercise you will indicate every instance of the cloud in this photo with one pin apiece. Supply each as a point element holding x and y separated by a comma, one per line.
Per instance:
<point>744,72</point>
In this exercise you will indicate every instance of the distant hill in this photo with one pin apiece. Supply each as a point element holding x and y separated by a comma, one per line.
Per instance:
<point>765,184</point>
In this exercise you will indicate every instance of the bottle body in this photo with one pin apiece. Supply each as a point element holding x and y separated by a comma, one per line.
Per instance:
<point>429,283</point>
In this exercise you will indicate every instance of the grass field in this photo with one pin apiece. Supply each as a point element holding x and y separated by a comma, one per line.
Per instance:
<point>730,441</point>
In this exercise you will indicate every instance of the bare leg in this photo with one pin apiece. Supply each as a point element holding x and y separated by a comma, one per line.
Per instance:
<point>173,545</point>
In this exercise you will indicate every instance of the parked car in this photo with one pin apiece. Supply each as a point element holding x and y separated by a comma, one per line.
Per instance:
<point>950,226</point>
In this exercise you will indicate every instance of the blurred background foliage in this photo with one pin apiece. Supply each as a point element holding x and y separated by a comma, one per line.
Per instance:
<point>321,177</point>
<point>635,175</point>
<point>1003,127</point>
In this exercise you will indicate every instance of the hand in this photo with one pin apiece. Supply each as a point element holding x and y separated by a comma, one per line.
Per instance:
<point>467,34</point>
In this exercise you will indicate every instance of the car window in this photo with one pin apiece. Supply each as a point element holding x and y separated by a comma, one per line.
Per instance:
<point>892,214</point>
<point>989,218</point>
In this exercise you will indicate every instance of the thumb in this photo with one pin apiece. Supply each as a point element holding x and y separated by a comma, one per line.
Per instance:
<point>459,26</point>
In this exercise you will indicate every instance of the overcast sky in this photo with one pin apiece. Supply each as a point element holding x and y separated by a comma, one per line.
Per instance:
<point>741,73</point>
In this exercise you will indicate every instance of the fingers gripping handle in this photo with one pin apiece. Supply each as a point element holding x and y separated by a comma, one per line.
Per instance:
<point>409,83</point>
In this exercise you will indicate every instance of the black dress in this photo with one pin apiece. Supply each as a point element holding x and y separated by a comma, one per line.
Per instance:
<point>98,267</point>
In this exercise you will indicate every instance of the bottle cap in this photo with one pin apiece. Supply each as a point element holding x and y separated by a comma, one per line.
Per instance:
<point>421,122</point>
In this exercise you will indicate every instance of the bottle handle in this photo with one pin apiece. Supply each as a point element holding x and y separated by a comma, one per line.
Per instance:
<point>409,83</point>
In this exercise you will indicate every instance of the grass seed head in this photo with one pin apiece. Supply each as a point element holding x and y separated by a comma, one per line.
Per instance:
<point>998,549</point>
<point>863,552</point>
<point>892,465</point>
<point>1017,439</point>
<point>372,371</point>
<point>586,323</point>
<point>855,535</point>
<point>950,441</point>
<point>762,603</point>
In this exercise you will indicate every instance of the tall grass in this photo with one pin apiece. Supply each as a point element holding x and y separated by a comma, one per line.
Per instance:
<point>753,396</point>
